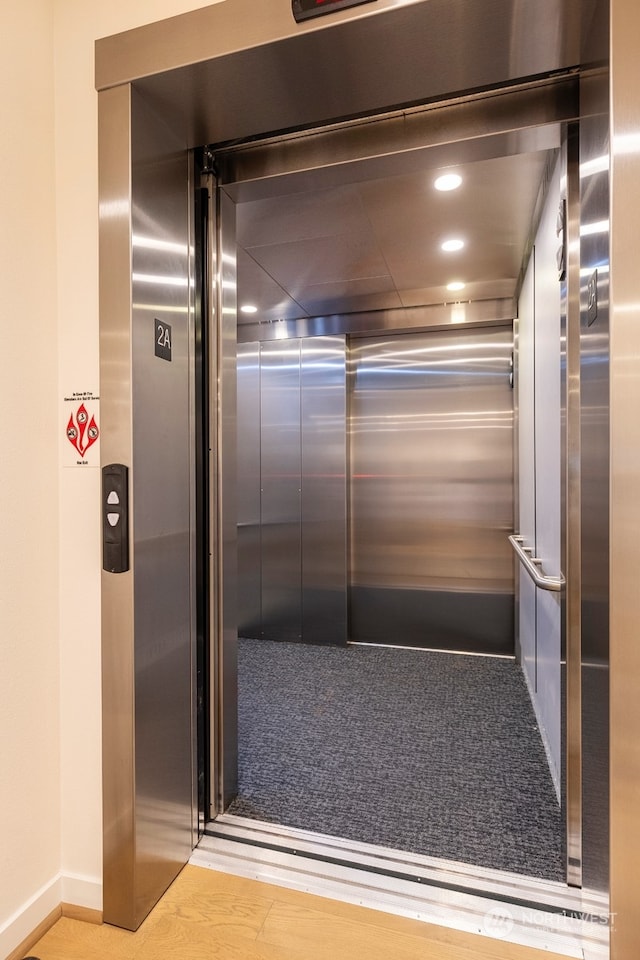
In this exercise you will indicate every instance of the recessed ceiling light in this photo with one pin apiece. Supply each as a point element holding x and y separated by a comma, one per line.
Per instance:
<point>248,308</point>
<point>448,181</point>
<point>450,246</point>
<point>455,285</point>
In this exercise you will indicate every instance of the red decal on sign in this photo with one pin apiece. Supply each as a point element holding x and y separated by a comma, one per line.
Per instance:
<point>76,429</point>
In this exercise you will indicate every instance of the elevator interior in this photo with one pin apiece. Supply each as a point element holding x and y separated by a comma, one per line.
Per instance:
<point>375,446</point>
<point>375,489</point>
<point>375,408</point>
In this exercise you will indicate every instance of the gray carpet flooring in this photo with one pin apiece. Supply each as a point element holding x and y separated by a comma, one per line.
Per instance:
<point>433,753</point>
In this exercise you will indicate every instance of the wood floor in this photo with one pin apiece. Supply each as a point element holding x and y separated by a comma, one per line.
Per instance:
<point>213,915</point>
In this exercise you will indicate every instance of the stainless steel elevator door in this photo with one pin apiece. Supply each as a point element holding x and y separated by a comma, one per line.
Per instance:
<point>432,490</point>
<point>292,500</point>
<point>323,405</point>
<point>280,490</point>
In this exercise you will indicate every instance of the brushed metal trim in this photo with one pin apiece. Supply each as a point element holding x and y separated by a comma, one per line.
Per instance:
<point>594,456</point>
<point>539,913</point>
<point>449,118</point>
<point>199,35</point>
<point>625,478</point>
<point>472,313</point>
<point>197,814</point>
<point>572,521</point>
<point>224,416</point>
<point>499,34</point>
<point>515,386</point>
<point>430,869</point>
<point>210,269</point>
<point>115,304</point>
<point>520,119</point>
<point>136,867</point>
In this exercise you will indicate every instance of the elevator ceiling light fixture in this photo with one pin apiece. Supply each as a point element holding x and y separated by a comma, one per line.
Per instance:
<point>456,285</point>
<point>248,308</point>
<point>452,245</point>
<point>448,181</point>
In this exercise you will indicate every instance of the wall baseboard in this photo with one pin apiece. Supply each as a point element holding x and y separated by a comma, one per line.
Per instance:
<point>23,948</point>
<point>43,908</point>
<point>86,914</point>
<point>79,898</point>
<point>81,892</point>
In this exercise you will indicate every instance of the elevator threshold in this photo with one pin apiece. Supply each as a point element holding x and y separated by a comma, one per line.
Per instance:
<point>517,909</point>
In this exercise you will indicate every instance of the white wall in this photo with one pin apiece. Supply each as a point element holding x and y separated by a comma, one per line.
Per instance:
<point>50,720</point>
<point>78,23</point>
<point>29,697</point>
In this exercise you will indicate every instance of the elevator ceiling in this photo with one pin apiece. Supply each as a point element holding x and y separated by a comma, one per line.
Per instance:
<point>375,244</point>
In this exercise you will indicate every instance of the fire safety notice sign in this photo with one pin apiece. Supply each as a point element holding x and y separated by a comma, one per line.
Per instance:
<point>80,429</point>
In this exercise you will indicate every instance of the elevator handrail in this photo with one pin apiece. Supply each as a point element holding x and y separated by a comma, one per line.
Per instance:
<point>533,566</point>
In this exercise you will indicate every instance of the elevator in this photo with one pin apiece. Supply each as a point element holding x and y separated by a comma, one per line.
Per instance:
<point>302,547</point>
<point>375,491</point>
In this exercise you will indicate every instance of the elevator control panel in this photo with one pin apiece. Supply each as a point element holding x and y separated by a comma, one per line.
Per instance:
<point>115,518</point>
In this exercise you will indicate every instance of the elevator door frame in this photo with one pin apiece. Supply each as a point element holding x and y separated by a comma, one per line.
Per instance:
<point>272,156</point>
<point>117,72</point>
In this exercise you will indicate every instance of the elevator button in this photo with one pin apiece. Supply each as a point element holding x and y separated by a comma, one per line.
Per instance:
<point>115,518</point>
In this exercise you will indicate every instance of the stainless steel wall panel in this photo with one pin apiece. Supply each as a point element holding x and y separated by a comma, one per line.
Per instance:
<point>432,490</point>
<point>527,626</point>
<point>148,644</point>
<point>118,718</point>
<point>624,478</point>
<point>594,444</point>
<point>324,490</point>
<point>547,382</point>
<point>281,490</point>
<point>539,471</point>
<point>370,58</point>
<point>475,313</point>
<point>571,515</point>
<point>519,119</point>
<point>548,477</point>
<point>225,548</point>
<point>249,535</point>
<point>161,479</point>
<point>526,524</point>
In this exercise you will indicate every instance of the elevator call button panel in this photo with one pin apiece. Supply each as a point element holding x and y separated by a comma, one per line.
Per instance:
<point>115,518</point>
